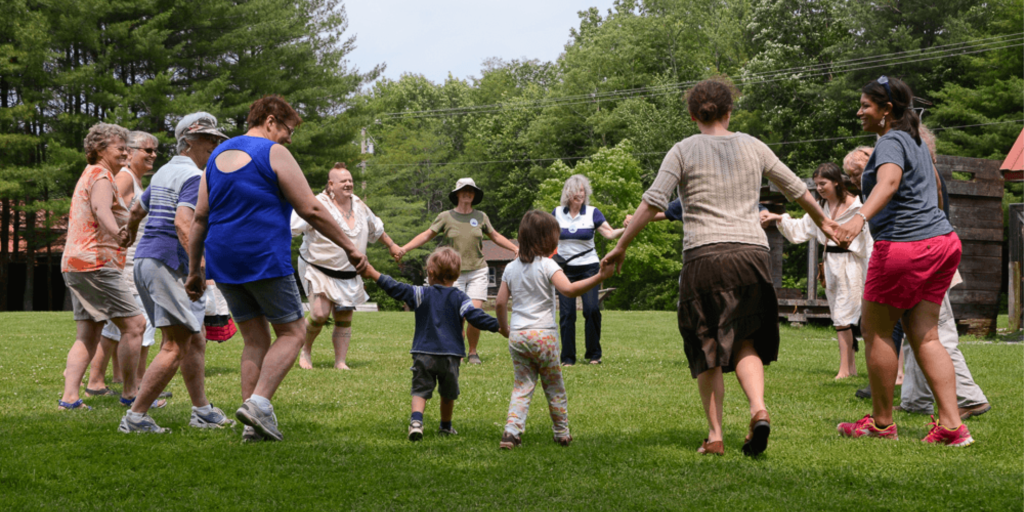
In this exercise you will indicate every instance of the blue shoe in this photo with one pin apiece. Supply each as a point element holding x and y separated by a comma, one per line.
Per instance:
<point>157,404</point>
<point>64,406</point>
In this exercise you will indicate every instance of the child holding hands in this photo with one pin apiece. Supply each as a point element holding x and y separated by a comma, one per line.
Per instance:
<point>532,337</point>
<point>437,345</point>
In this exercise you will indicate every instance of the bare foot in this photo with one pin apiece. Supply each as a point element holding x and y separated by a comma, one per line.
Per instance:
<point>341,366</point>
<point>842,376</point>
<point>305,360</point>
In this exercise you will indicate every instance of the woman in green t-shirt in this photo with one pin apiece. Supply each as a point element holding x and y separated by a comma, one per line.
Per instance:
<point>465,229</point>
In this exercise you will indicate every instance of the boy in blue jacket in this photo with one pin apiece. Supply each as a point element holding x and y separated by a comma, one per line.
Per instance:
<point>437,345</point>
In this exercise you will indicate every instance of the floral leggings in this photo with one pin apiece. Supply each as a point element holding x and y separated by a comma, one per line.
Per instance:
<point>535,352</point>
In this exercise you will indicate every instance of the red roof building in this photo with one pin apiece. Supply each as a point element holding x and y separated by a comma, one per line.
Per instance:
<point>1013,166</point>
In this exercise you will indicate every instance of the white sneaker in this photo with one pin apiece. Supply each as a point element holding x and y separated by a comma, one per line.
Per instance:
<point>145,424</point>
<point>215,418</point>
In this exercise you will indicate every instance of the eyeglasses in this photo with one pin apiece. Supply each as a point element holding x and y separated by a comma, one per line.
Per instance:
<point>884,80</point>
<point>291,131</point>
<point>149,151</point>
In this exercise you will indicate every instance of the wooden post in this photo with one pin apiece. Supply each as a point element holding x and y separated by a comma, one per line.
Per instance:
<point>812,269</point>
<point>1015,293</point>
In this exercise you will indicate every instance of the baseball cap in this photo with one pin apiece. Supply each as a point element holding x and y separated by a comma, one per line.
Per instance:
<point>198,123</point>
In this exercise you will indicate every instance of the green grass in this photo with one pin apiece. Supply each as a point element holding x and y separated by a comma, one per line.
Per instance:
<point>636,420</point>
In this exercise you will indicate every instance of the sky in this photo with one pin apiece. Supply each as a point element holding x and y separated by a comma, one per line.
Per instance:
<point>435,37</point>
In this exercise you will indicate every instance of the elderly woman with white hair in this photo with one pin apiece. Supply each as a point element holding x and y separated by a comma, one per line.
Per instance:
<point>577,255</point>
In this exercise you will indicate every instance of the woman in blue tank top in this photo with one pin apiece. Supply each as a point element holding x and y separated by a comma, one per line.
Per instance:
<point>242,221</point>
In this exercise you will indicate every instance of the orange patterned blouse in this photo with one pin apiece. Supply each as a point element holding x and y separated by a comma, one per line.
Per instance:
<point>89,248</point>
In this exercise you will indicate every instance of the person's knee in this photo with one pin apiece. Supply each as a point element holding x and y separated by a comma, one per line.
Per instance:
<point>134,326</point>
<point>317,318</point>
<point>177,349</point>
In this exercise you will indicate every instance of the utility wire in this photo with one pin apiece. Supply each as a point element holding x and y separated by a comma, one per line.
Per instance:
<point>649,153</point>
<point>845,66</point>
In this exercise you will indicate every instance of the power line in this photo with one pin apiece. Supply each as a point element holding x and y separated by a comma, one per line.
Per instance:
<point>649,153</point>
<point>845,66</point>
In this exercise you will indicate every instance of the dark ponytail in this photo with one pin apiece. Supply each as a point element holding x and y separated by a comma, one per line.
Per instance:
<point>901,98</point>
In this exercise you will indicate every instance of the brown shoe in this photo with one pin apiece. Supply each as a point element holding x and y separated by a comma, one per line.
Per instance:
<point>976,410</point>
<point>715,448</point>
<point>757,437</point>
<point>564,441</point>
<point>509,441</point>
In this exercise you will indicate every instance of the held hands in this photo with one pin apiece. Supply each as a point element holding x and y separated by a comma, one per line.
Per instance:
<point>606,272</point>
<point>845,234</point>
<point>613,260</point>
<point>504,331</point>
<point>629,218</point>
<point>397,252</point>
<point>124,237</point>
<point>358,260</point>
<point>768,218</point>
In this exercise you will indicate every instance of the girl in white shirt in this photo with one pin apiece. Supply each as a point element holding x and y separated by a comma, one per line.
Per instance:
<point>531,280</point>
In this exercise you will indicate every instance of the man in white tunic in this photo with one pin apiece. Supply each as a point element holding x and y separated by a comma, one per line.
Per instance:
<point>329,279</point>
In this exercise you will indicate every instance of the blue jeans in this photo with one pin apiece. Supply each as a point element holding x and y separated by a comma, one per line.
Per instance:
<point>591,316</point>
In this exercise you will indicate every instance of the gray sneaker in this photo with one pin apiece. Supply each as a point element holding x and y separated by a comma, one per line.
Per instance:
<point>447,432</point>
<point>415,430</point>
<point>213,419</point>
<point>263,423</point>
<point>145,424</point>
<point>249,435</point>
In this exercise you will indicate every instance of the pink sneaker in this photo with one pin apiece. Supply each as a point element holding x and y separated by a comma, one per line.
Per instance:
<point>960,437</point>
<point>866,427</point>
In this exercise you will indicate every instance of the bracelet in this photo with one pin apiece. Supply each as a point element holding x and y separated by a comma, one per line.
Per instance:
<point>865,220</point>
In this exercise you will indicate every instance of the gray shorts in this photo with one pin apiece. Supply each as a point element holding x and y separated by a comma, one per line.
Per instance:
<point>276,298</point>
<point>100,295</point>
<point>162,290</point>
<point>428,370</point>
<point>148,337</point>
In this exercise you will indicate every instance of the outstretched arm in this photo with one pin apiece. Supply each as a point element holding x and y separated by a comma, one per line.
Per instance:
<point>609,233</point>
<point>501,309</point>
<point>419,240</point>
<point>573,290</point>
<point>643,215</point>
<point>503,242</point>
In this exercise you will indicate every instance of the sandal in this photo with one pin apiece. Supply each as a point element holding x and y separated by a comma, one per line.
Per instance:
<point>64,406</point>
<point>474,359</point>
<point>100,392</point>
<point>157,404</point>
<point>595,361</point>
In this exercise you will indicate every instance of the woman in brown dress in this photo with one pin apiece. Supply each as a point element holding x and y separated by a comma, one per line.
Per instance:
<point>728,311</point>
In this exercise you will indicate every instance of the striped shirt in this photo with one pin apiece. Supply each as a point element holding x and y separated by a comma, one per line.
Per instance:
<point>577,234</point>
<point>718,179</point>
<point>175,184</point>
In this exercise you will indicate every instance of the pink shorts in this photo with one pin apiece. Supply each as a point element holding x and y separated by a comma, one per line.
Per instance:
<point>901,274</point>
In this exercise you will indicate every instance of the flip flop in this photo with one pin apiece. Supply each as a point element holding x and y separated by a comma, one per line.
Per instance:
<point>157,404</point>
<point>100,392</point>
<point>79,404</point>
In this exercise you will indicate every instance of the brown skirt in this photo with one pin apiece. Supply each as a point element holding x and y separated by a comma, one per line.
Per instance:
<point>726,296</point>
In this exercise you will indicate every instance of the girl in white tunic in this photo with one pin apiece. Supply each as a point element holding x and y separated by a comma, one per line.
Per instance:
<point>845,269</point>
<point>329,279</point>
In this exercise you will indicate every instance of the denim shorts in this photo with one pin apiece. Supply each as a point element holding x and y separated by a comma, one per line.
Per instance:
<point>276,298</point>
<point>429,370</point>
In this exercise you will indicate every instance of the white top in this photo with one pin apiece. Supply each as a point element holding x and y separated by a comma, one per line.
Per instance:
<point>129,260</point>
<point>800,230</point>
<point>317,249</point>
<point>534,295</point>
<point>576,234</point>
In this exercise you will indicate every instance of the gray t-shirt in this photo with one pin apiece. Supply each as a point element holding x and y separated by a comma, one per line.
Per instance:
<point>913,212</point>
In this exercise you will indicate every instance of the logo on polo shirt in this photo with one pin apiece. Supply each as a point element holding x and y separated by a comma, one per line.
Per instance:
<point>473,222</point>
<point>572,229</point>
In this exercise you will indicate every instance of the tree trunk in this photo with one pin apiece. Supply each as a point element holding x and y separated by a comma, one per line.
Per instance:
<point>30,258</point>
<point>5,239</point>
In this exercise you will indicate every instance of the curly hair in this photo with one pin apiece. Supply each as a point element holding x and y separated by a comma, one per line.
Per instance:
<point>709,100</point>
<point>573,185</point>
<point>272,105</point>
<point>99,137</point>
<point>857,159</point>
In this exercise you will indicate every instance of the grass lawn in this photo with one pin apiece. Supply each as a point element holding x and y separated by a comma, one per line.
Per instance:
<point>636,419</point>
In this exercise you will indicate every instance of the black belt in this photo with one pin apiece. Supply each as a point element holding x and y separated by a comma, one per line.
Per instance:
<point>835,248</point>
<point>336,274</point>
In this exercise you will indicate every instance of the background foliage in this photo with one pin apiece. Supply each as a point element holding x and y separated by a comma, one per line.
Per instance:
<point>609,107</point>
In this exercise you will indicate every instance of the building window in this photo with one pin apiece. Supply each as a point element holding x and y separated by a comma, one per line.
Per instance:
<point>492,276</point>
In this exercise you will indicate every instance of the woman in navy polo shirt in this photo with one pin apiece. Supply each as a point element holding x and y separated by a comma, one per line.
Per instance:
<point>578,258</point>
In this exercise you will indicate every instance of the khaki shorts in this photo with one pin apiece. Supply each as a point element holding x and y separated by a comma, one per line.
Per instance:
<point>100,295</point>
<point>473,283</point>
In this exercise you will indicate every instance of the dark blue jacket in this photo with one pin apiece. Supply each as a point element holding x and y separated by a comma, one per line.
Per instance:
<point>439,313</point>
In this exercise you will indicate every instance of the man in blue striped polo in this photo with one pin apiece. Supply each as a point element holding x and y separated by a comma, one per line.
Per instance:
<point>161,265</point>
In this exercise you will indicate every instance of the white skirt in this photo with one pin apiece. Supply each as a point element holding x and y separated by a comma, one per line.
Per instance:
<point>844,286</point>
<point>345,293</point>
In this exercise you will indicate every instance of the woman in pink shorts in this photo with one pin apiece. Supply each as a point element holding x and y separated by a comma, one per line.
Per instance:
<point>915,255</point>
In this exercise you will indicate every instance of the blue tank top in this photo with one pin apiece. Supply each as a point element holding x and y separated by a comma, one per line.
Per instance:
<point>249,235</point>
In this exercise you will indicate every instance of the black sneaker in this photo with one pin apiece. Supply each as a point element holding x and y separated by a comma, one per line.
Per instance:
<point>864,392</point>
<point>415,430</point>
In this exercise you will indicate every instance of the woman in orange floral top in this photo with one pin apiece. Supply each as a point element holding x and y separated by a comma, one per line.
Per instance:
<point>92,263</point>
